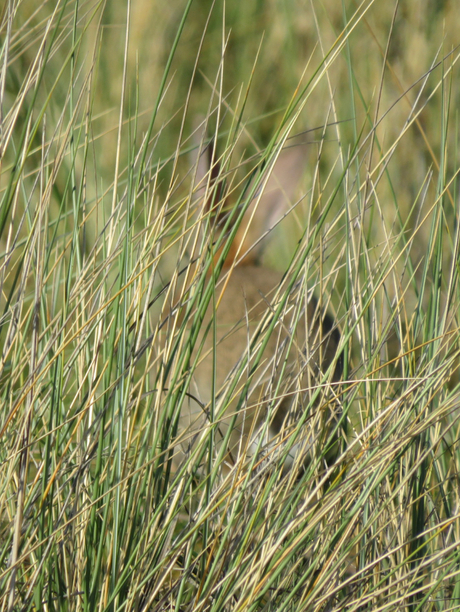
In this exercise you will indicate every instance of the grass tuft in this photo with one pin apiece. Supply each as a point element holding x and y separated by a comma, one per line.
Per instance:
<point>109,263</point>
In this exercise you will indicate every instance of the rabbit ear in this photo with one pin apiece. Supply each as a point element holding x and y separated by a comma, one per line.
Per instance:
<point>200,155</point>
<point>280,186</point>
<point>208,168</point>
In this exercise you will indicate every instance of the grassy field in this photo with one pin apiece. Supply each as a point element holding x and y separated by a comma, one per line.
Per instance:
<point>103,232</point>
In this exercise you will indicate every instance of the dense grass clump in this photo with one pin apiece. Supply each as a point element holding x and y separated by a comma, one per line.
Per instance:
<point>109,263</point>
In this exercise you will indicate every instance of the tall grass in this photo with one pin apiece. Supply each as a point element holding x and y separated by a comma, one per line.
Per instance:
<point>103,236</point>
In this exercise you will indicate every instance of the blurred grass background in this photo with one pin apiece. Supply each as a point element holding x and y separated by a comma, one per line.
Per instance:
<point>95,174</point>
<point>271,50</point>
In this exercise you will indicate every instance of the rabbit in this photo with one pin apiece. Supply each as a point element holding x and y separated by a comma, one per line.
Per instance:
<point>268,398</point>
